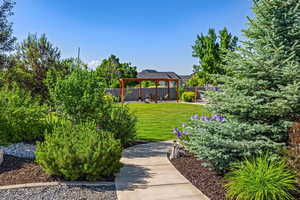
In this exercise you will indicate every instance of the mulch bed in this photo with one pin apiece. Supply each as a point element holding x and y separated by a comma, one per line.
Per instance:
<point>15,170</point>
<point>205,179</point>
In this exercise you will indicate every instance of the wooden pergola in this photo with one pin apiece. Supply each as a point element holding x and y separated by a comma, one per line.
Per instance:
<point>156,80</point>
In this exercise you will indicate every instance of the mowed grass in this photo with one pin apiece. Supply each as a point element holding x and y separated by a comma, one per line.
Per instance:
<point>157,121</point>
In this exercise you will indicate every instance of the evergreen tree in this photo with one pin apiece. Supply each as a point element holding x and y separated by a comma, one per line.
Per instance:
<point>35,57</point>
<point>264,86</point>
<point>6,39</point>
<point>261,92</point>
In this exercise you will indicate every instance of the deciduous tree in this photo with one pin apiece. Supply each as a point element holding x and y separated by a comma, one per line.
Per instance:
<point>7,40</point>
<point>211,49</point>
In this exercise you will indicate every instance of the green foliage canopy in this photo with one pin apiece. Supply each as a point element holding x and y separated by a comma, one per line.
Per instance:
<point>7,40</point>
<point>210,49</point>
<point>261,91</point>
<point>264,86</point>
<point>111,70</point>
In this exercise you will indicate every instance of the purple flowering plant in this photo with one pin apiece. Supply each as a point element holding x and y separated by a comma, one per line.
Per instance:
<point>182,133</point>
<point>218,118</point>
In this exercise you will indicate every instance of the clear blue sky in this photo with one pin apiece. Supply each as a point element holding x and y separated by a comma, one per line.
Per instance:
<point>151,34</point>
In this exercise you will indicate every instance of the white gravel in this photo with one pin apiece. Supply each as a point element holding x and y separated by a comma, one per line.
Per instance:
<point>21,150</point>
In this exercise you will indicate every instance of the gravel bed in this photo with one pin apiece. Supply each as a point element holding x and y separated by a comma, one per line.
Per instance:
<point>21,150</point>
<point>60,192</point>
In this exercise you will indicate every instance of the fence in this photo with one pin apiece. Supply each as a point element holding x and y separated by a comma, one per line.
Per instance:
<point>132,94</point>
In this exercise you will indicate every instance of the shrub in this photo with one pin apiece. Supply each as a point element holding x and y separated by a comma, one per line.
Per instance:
<point>79,152</point>
<point>22,118</point>
<point>221,142</point>
<point>80,97</point>
<point>260,179</point>
<point>122,123</point>
<point>188,96</point>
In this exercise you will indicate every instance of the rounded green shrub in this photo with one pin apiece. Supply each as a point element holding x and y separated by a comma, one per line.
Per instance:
<point>22,118</point>
<point>261,179</point>
<point>122,123</point>
<point>79,152</point>
<point>188,96</point>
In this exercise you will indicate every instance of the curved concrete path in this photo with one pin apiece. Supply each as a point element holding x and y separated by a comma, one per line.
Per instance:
<point>148,175</point>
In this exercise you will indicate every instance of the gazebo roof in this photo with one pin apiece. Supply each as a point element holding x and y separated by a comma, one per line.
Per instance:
<point>149,79</point>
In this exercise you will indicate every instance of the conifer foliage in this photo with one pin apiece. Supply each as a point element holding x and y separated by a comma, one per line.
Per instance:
<point>265,84</point>
<point>261,87</point>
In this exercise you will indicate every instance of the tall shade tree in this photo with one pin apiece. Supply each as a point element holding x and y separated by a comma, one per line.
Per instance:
<point>111,70</point>
<point>35,57</point>
<point>211,49</point>
<point>264,86</point>
<point>7,40</point>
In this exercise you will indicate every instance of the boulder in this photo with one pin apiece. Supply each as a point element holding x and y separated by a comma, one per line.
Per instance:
<point>1,156</point>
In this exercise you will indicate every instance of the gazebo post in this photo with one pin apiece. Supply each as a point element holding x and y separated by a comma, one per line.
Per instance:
<point>169,90</point>
<point>140,90</point>
<point>156,92</point>
<point>177,89</point>
<point>120,92</point>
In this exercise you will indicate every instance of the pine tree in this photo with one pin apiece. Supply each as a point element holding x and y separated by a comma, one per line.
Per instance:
<point>264,86</point>
<point>35,57</point>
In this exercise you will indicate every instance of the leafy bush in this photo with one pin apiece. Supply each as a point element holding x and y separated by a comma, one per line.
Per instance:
<point>22,118</point>
<point>80,97</point>
<point>188,96</point>
<point>79,152</point>
<point>260,179</point>
<point>221,142</point>
<point>122,123</point>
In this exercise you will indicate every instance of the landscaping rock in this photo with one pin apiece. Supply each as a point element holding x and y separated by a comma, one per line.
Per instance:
<point>177,151</point>
<point>1,156</point>
<point>21,150</point>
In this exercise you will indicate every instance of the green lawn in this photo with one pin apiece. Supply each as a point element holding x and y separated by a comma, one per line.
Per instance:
<point>156,121</point>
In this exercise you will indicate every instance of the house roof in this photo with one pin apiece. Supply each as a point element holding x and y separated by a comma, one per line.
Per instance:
<point>156,74</point>
<point>185,77</point>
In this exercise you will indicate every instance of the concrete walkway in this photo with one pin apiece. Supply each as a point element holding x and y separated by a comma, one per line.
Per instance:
<point>148,175</point>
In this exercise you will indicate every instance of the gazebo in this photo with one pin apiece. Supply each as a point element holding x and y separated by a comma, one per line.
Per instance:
<point>156,80</point>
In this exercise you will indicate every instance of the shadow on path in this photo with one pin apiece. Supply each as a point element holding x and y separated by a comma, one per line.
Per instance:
<point>152,149</point>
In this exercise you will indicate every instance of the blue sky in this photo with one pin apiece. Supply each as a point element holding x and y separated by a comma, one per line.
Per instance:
<point>151,34</point>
